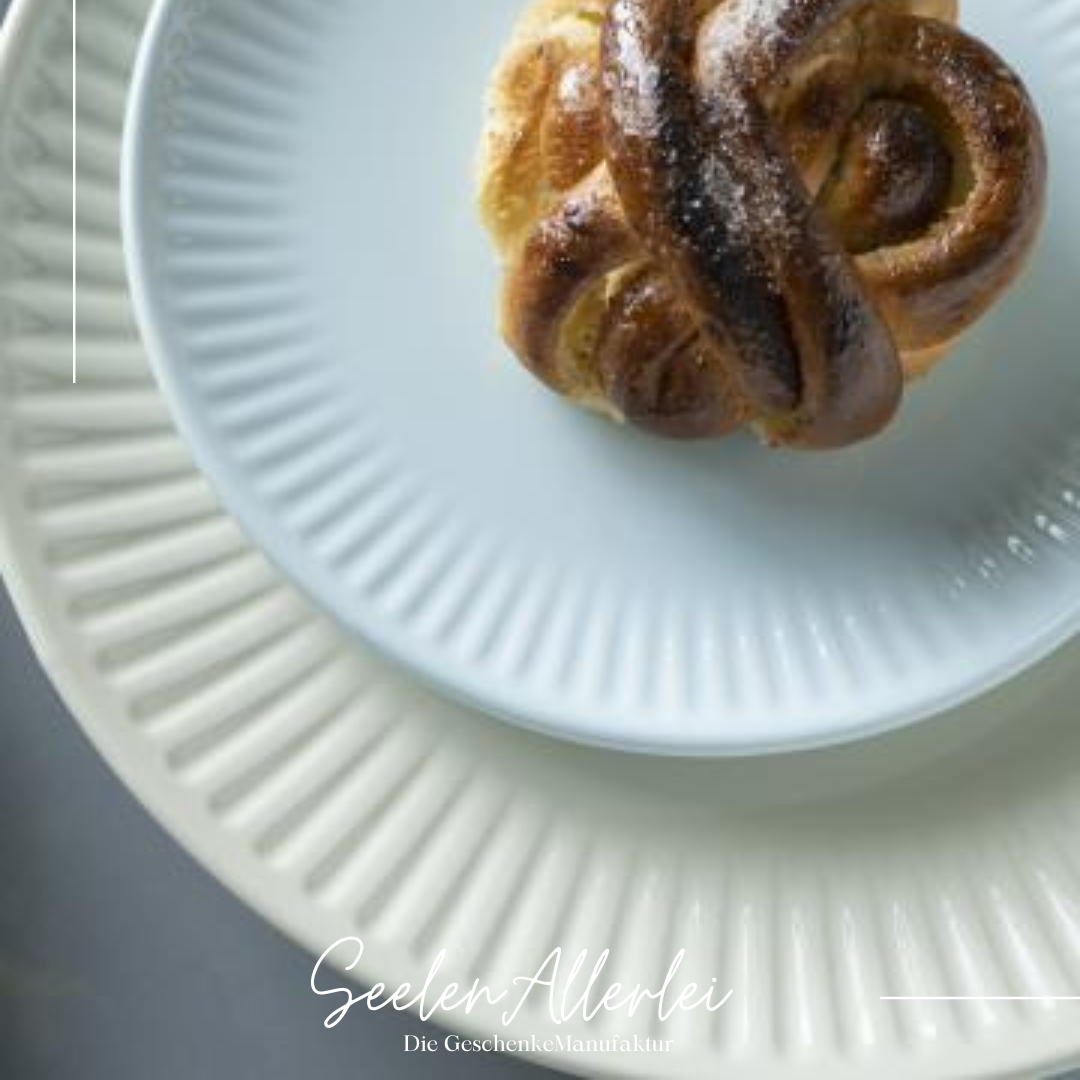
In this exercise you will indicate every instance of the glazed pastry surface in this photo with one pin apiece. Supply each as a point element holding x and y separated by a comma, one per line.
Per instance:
<point>715,213</point>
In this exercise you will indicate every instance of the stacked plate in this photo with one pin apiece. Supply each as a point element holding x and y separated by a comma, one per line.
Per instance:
<point>885,897</point>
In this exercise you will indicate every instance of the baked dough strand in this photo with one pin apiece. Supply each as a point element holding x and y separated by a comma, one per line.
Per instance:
<point>766,212</point>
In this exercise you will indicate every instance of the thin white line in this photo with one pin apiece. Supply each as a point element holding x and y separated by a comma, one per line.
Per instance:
<point>1047,999</point>
<point>74,192</point>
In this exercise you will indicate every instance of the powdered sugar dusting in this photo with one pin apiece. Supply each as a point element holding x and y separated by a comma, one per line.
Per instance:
<point>741,38</point>
<point>746,25</point>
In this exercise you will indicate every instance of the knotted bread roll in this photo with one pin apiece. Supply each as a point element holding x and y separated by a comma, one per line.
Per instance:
<point>771,212</point>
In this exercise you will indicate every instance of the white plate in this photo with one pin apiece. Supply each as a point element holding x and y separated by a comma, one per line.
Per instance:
<point>337,799</point>
<point>319,300</point>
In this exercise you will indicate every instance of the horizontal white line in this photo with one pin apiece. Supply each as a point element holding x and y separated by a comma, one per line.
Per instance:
<point>1001,998</point>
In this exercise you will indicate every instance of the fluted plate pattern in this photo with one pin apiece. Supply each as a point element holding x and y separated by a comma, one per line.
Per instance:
<point>318,297</point>
<point>338,798</point>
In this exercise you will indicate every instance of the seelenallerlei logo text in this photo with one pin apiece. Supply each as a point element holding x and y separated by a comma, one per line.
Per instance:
<point>571,994</point>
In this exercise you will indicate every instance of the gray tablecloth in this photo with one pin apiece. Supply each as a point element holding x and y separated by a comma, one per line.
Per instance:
<point>121,959</point>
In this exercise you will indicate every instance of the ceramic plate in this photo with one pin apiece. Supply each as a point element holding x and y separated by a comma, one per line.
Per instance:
<point>339,799</point>
<point>319,299</point>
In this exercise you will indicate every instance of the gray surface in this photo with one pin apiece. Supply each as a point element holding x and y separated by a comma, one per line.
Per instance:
<point>121,959</point>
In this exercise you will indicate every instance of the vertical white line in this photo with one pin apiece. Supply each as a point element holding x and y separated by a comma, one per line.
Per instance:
<point>74,191</point>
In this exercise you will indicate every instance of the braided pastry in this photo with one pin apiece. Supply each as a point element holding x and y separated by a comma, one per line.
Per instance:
<point>716,213</point>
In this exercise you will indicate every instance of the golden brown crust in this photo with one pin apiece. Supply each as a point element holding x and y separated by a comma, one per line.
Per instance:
<point>519,180</point>
<point>756,211</point>
<point>571,249</point>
